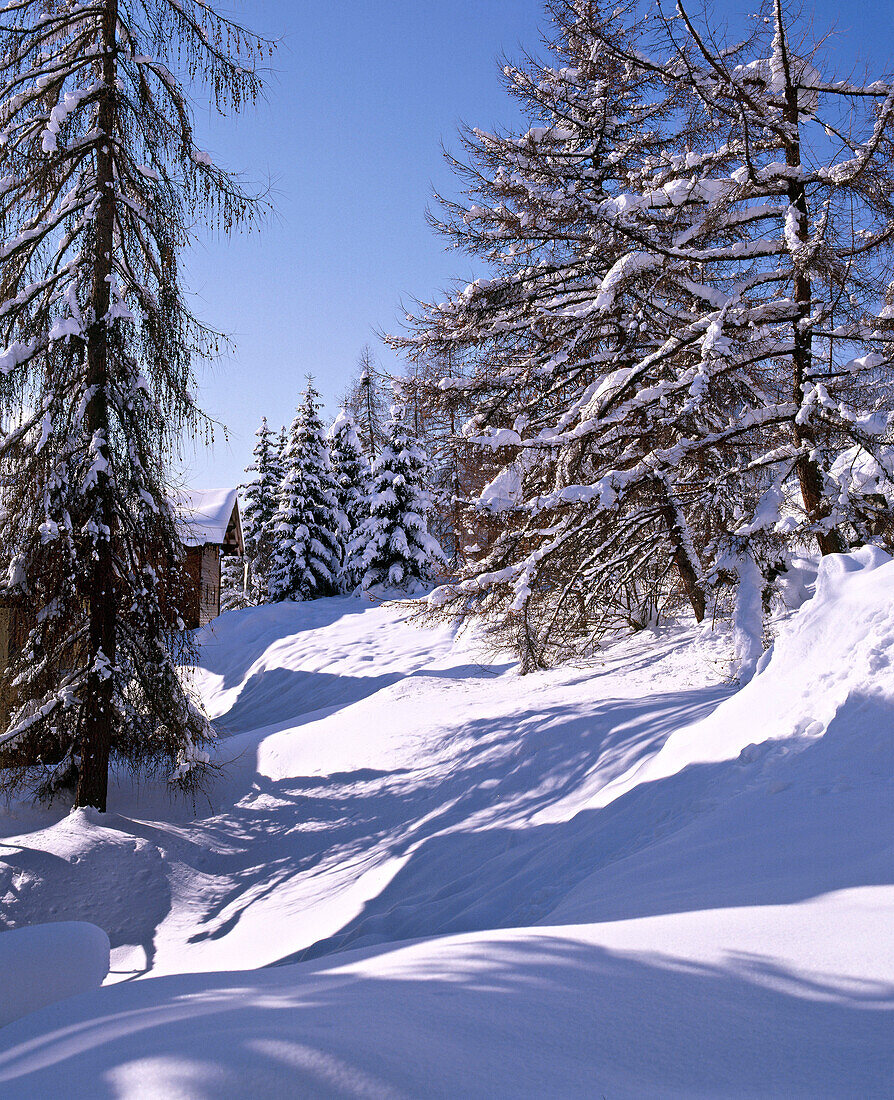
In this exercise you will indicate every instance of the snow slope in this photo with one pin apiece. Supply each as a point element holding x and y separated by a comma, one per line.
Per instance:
<point>49,962</point>
<point>625,879</point>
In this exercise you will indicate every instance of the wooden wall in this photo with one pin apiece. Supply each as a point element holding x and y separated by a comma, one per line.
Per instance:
<point>201,598</point>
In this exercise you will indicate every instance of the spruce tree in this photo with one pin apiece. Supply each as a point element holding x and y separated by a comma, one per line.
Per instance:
<point>103,184</point>
<point>308,549</point>
<point>261,503</point>
<point>352,482</point>
<point>234,594</point>
<point>392,548</point>
<point>367,406</point>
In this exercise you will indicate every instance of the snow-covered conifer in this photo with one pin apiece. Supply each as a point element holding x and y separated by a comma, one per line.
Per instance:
<point>367,406</point>
<point>103,183</point>
<point>308,549</point>
<point>352,486</point>
<point>392,548</point>
<point>261,503</point>
<point>233,593</point>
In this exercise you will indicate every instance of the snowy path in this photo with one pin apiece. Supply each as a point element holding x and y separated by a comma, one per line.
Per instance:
<point>379,743</point>
<point>602,889</point>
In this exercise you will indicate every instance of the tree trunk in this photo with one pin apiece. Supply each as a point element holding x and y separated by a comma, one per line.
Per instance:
<point>683,552</point>
<point>810,475</point>
<point>101,593</point>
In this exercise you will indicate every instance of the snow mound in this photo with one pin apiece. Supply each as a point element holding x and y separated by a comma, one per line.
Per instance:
<point>836,654</point>
<point>47,963</point>
<point>272,665</point>
<point>88,867</point>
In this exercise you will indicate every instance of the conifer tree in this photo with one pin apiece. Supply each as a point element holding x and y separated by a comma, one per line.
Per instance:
<point>307,552</point>
<point>367,406</point>
<point>103,182</point>
<point>234,594</point>
<point>282,443</point>
<point>352,482</point>
<point>261,503</point>
<point>392,548</point>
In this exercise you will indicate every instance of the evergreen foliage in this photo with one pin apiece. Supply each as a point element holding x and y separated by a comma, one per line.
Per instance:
<point>392,548</point>
<point>367,406</point>
<point>307,553</point>
<point>233,594</point>
<point>352,488</point>
<point>261,504</point>
<point>103,183</point>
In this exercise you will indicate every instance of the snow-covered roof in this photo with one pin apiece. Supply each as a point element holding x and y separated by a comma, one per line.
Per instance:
<point>208,516</point>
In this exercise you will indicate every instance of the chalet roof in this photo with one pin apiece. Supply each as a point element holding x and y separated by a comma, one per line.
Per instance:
<point>208,516</point>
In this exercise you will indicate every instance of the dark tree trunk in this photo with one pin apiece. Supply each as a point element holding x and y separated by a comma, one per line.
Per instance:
<point>101,589</point>
<point>688,569</point>
<point>810,476</point>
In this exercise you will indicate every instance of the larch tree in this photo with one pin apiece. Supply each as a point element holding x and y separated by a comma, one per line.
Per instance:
<point>393,549</point>
<point>686,319</point>
<point>791,253</point>
<point>308,548</point>
<point>543,361</point>
<point>102,183</point>
<point>352,489</point>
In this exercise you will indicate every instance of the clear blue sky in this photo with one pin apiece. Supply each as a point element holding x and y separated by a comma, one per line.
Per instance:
<point>362,94</point>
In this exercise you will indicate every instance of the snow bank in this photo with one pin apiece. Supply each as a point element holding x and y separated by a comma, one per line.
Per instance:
<point>87,867</point>
<point>47,963</point>
<point>838,649</point>
<point>621,879</point>
<point>630,1009</point>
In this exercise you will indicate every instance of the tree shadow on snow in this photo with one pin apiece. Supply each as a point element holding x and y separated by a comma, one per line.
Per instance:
<point>519,765</point>
<point>268,695</point>
<point>785,822</point>
<point>536,1016</point>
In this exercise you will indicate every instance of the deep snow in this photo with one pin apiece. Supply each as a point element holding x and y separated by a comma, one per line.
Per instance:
<point>421,875</point>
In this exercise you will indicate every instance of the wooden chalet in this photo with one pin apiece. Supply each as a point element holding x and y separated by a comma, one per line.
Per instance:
<point>210,529</point>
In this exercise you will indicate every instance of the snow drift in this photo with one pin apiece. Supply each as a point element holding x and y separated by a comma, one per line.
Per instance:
<point>49,962</point>
<point>834,659</point>
<point>625,879</point>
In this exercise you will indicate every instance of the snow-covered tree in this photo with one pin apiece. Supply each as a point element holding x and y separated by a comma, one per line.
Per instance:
<point>261,503</point>
<point>308,548</point>
<point>352,488</point>
<point>282,444</point>
<point>103,183</point>
<point>367,406</point>
<point>684,321</point>
<point>233,592</point>
<point>393,549</point>
<point>457,469</point>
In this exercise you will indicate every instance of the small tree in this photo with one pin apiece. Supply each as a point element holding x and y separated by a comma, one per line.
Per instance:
<point>367,406</point>
<point>307,553</point>
<point>352,487</point>
<point>392,548</point>
<point>261,503</point>
<point>104,183</point>
<point>233,589</point>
